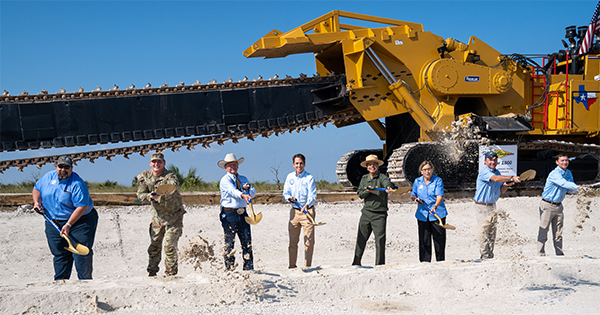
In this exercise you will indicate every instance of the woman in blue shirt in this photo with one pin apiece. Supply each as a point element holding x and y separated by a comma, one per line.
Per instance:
<point>430,189</point>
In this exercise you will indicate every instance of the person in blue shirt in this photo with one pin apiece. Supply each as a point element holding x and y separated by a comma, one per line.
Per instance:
<point>236,192</point>
<point>300,188</point>
<point>65,199</point>
<point>490,184</point>
<point>558,183</point>
<point>430,189</point>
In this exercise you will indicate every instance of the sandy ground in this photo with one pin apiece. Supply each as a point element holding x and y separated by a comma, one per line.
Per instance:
<point>516,281</point>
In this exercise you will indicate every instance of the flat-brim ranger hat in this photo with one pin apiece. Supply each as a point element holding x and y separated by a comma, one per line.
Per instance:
<point>371,158</point>
<point>229,158</point>
<point>63,160</point>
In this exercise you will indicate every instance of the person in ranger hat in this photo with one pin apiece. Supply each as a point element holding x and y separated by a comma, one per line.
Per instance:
<point>490,184</point>
<point>236,192</point>
<point>167,214</point>
<point>65,199</point>
<point>374,212</point>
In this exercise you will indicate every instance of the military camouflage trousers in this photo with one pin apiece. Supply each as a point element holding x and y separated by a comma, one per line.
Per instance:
<point>171,235</point>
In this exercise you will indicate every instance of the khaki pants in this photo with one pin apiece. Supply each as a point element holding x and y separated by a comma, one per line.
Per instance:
<point>550,214</point>
<point>299,220</point>
<point>487,219</point>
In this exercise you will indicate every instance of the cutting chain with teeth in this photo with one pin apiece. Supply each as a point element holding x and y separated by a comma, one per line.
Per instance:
<point>189,143</point>
<point>165,88</point>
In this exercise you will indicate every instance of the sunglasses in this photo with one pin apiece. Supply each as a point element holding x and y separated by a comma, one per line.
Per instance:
<point>64,167</point>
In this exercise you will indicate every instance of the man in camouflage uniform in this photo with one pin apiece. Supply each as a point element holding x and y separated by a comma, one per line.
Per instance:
<point>167,214</point>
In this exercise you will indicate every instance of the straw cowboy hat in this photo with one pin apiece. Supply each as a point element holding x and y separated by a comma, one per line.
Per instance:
<point>229,158</point>
<point>371,158</point>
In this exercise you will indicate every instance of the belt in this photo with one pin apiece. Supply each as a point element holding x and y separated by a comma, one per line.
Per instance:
<point>298,209</point>
<point>484,204</point>
<point>232,209</point>
<point>554,203</point>
<point>82,217</point>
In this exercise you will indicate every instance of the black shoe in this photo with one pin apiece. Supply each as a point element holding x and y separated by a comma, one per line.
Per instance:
<point>151,273</point>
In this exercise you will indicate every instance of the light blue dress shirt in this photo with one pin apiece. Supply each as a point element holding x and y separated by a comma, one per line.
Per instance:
<point>558,183</point>
<point>301,187</point>
<point>428,193</point>
<point>487,190</point>
<point>231,197</point>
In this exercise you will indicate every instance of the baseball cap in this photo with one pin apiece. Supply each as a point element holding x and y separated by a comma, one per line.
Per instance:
<point>490,154</point>
<point>63,160</point>
<point>157,156</point>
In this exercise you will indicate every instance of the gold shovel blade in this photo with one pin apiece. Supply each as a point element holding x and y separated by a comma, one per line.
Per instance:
<point>253,218</point>
<point>78,249</point>
<point>313,220</point>
<point>166,189</point>
<point>527,175</point>
<point>445,226</point>
<point>402,190</point>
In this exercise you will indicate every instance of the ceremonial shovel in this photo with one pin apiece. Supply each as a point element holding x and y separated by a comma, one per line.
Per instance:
<point>308,215</point>
<point>253,218</point>
<point>79,249</point>
<point>399,191</point>
<point>166,189</point>
<point>445,226</point>
<point>527,175</point>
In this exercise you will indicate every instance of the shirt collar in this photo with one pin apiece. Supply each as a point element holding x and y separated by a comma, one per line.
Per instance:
<point>562,172</point>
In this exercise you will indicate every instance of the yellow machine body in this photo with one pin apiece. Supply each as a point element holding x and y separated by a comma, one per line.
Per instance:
<point>437,80</point>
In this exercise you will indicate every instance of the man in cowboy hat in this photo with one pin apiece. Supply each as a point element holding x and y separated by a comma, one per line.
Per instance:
<point>300,189</point>
<point>236,192</point>
<point>374,212</point>
<point>167,214</point>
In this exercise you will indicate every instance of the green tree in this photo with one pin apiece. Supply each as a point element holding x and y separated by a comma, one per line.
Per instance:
<point>189,181</point>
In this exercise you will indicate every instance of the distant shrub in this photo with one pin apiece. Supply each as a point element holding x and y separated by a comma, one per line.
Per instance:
<point>325,185</point>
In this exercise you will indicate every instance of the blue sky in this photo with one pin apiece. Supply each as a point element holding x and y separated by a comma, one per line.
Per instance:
<point>50,44</point>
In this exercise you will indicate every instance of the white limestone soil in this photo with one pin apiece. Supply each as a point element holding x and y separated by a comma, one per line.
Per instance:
<point>515,281</point>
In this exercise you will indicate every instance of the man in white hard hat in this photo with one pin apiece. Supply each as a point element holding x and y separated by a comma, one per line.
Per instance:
<point>236,192</point>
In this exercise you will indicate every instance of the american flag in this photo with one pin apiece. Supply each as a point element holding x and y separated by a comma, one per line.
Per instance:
<point>592,29</point>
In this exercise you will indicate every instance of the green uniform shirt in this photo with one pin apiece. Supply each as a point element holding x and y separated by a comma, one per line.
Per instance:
<point>375,201</point>
<point>167,208</point>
